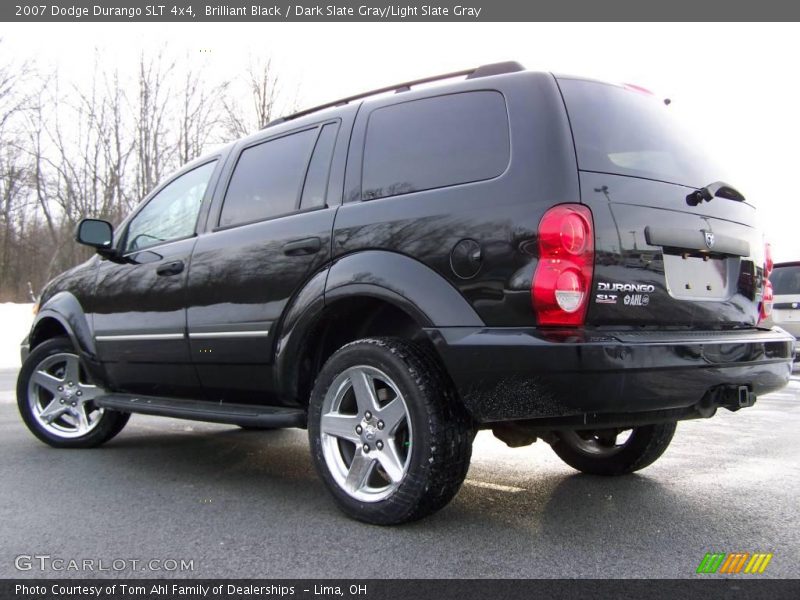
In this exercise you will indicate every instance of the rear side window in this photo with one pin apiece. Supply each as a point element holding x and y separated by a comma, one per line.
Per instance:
<point>435,142</point>
<point>785,280</point>
<point>316,185</point>
<point>267,178</point>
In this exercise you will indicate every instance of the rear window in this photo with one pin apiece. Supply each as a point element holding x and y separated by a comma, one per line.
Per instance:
<point>785,280</point>
<point>435,142</point>
<point>627,132</point>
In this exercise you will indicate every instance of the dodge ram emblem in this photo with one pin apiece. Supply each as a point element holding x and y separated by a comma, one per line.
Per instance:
<point>709,235</point>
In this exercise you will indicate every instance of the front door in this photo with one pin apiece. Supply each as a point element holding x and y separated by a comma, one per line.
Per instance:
<point>140,300</point>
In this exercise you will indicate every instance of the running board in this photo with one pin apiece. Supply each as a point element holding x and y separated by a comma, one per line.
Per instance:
<point>195,410</point>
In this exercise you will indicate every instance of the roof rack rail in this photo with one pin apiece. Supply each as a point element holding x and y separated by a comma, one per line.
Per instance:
<point>482,71</point>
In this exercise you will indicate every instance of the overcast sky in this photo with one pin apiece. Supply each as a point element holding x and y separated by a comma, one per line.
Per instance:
<point>737,85</point>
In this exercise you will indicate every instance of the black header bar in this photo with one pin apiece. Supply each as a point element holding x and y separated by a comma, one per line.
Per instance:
<point>408,10</point>
<point>386,589</point>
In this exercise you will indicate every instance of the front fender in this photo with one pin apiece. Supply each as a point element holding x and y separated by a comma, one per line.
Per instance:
<point>65,309</point>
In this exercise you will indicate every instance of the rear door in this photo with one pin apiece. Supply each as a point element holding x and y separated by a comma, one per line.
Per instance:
<point>659,259</point>
<point>270,231</point>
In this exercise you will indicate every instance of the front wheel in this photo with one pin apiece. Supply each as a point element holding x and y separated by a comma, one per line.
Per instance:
<point>387,435</point>
<point>613,451</point>
<point>56,399</point>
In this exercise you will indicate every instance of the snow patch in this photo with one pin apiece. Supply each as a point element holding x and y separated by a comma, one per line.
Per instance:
<point>15,321</point>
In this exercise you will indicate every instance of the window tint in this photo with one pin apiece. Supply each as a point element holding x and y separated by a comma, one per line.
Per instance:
<point>435,142</point>
<point>785,280</point>
<point>627,132</point>
<point>172,213</point>
<point>267,178</point>
<point>317,178</point>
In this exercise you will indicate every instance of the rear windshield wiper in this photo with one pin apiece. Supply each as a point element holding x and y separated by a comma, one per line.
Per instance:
<point>718,189</point>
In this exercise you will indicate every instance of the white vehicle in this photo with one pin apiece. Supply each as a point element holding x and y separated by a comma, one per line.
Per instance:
<point>785,279</point>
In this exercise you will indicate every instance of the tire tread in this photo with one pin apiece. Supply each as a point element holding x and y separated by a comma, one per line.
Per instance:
<point>111,424</point>
<point>647,444</point>
<point>450,429</point>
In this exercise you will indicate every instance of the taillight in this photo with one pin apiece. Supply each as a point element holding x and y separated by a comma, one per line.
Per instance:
<point>768,295</point>
<point>563,277</point>
<point>766,301</point>
<point>768,262</point>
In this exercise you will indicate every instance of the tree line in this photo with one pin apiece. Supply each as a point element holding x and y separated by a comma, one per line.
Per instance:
<point>96,147</point>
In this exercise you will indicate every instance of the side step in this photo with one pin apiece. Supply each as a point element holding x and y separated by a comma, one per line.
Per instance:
<point>195,410</point>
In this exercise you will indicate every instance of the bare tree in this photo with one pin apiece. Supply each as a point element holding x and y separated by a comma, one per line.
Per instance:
<point>264,100</point>
<point>13,170</point>
<point>117,150</point>
<point>78,147</point>
<point>97,147</point>
<point>154,153</point>
<point>199,115</point>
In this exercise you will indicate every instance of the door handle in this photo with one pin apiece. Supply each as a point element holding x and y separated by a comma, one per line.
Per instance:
<point>303,247</point>
<point>172,268</point>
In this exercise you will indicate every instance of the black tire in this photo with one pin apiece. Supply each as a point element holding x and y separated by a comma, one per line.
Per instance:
<point>642,448</point>
<point>437,460</point>
<point>107,425</point>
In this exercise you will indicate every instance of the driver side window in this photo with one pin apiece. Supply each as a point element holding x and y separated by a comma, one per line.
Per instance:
<point>172,213</point>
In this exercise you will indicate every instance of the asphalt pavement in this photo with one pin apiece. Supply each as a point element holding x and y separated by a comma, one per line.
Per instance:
<point>240,504</point>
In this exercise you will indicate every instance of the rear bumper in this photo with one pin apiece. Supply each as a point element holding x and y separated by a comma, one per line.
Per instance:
<point>793,329</point>
<point>584,376</point>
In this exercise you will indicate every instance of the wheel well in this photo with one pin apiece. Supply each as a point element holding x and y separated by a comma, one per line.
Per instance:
<point>348,320</point>
<point>46,329</point>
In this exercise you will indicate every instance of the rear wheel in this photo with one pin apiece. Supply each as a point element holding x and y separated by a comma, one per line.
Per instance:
<point>56,399</point>
<point>613,451</point>
<point>387,434</point>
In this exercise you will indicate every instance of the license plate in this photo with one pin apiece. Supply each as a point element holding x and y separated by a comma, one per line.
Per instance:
<point>699,278</point>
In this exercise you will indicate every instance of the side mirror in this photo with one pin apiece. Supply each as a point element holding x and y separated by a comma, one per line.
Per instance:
<point>95,233</point>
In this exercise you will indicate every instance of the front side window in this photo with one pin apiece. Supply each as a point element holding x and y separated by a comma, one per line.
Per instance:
<point>435,142</point>
<point>267,178</point>
<point>172,213</point>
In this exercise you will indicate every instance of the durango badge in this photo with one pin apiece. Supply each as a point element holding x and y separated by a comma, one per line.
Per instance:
<point>709,237</point>
<point>642,288</point>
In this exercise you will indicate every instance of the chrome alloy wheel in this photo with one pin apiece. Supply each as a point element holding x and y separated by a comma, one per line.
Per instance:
<point>366,433</point>
<point>59,398</point>
<point>597,442</point>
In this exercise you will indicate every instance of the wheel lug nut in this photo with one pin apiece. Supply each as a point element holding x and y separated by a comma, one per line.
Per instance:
<point>367,415</point>
<point>62,401</point>
<point>379,445</point>
<point>70,384</point>
<point>366,447</point>
<point>79,393</point>
<point>74,404</point>
<point>358,429</point>
<point>61,388</point>
<point>381,425</point>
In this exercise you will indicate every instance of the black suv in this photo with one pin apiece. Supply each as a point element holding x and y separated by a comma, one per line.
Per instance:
<point>540,255</point>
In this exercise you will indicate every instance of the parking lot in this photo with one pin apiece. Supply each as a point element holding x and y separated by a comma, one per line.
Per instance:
<point>249,504</point>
